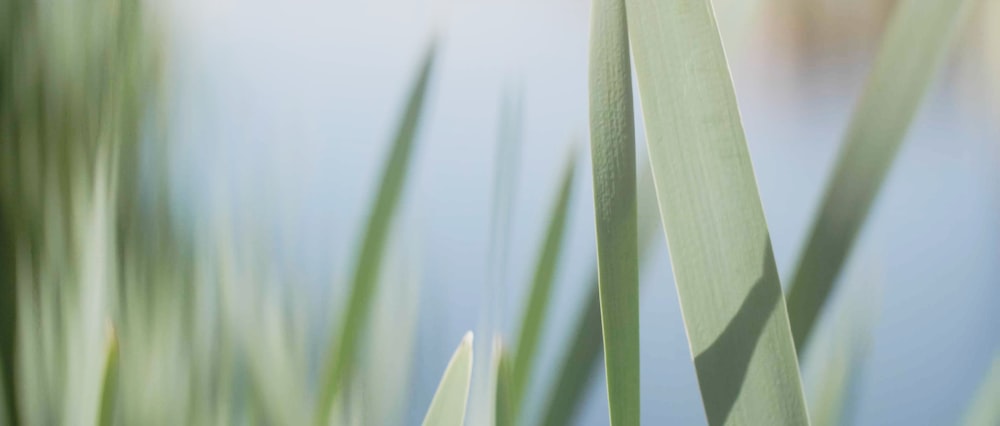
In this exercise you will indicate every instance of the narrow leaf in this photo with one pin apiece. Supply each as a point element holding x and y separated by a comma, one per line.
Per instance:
<point>612,145</point>
<point>109,389</point>
<point>541,288</point>
<point>448,406</point>
<point>727,282</point>
<point>985,407</point>
<point>341,356</point>
<point>912,50</point>
<point>834,366</point>
<point>579,361</point>
<point>504,407</point>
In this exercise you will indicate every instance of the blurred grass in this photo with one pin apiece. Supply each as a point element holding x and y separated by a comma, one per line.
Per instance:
<point>985,409</point>
<point>201,332</point>
<point>912,50</point>
<point>341,356</point>
<point>535,310</point>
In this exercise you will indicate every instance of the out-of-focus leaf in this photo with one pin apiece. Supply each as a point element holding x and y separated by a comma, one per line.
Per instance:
<point>109,390</point>
<point>448,406</point>
<point>483,398</point>
<point>340,356</point>
<point>727,281</point>
<point>985,407</point>
<point>912,50</point>
<point>504,410</point>
<point>612,145</point>
<point>833,366</point>
<point>535,310</point>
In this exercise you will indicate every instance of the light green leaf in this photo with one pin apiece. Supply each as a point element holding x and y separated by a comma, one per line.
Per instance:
<point>341,355</point>
<point>448,406</point>
<point>504,411</point>
<point>4,421</point>
<point>726,278</point>
<point>541,288</point>
<point>985,407</point>
<point>579,361</point>
<point>833,366</point>
<point>612,144</point>
<point>109,389</point>
<point>912,50</point>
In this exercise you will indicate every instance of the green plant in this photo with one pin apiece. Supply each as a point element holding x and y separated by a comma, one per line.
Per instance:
<point>102,324</point>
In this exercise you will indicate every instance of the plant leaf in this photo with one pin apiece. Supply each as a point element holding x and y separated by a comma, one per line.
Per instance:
<point>109,389</point>
<point>912,50</point>
<point>985,410</point>
<point>340,356</point>
<point>448,405</point>
<point>727,282</point>
<point>834,365</point>
<point>581,356</point>
<point>541,288</point>
<point>504,411</point>
<point>612,144</point>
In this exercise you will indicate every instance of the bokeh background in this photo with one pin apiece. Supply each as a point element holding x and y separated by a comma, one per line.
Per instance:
<point>281,114</point>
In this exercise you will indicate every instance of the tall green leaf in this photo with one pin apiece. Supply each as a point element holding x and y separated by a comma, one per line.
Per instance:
<point>109,389</point>
<point>341,356</point>
<point>727,282</point>
<point>448,405</point>
<point>985,407</point>
<point>612,145</point>
<point>579,360</point>
<point>505,413</point>
<point>913,47</point>
<point>541,288</point>
<point>834,365</point>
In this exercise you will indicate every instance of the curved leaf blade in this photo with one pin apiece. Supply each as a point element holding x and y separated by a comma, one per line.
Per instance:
<point>727,282</point>
<point>448,405</point>
<point>912,50</point>
<point>340,357</point>
<point>985,409</point>
<point>612,145</point>
<point>541,288</point>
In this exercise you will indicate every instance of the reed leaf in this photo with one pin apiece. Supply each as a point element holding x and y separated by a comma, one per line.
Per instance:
<point>109,389</point>
<point>612,144</point>
<point>985,409</point>
<point>448,405</point>
<point>536,307</point>
<point>915,42</point>
<point>727,282</point>
<point>340,357</point>
<point>580,358</point>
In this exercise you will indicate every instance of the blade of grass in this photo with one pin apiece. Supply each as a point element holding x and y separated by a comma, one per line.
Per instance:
<point>834,366</point>
<point>612,144</point>
<point>448,405</point>
<point>985,407</point>
<point>482,403</point>
<point>109,390</point>
<point>541,288</point>
<point>727,282</point>
<point>340,356</point>
<point>580,358</point>
<point>504,410</point>
<point>912,50</point>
